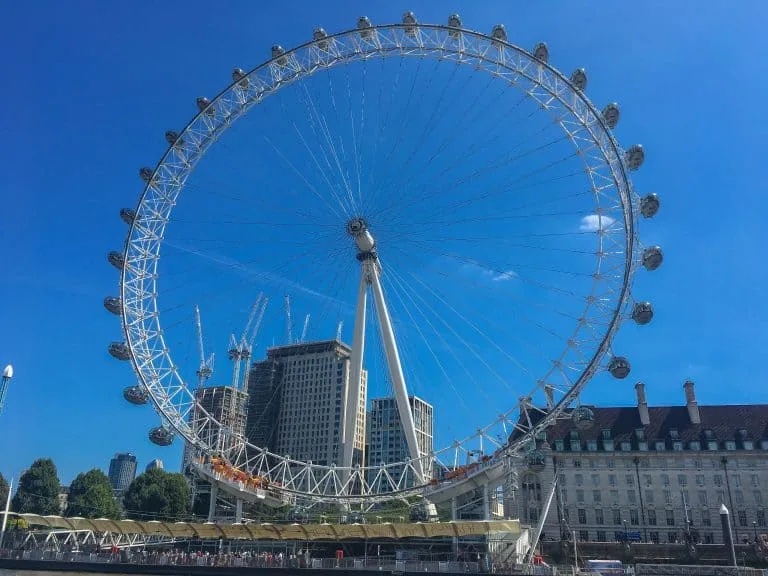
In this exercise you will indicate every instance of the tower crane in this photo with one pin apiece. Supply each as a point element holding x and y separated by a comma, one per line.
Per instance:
<point>249,348</point>
<point>237,348</point>
<point>304,329</point>
<point>339,328</point>
<point>206,364</point>
<point>289,326</point>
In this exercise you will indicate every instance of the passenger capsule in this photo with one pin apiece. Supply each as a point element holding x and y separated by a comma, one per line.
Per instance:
<point>642,313</point>
<point>579,79</point>
<point>499,34</point>
<point>204,105</point>
<point>162,436</point>
<point>454,23</point>
<point>536,461</point>
<point>239,76</point>
<point>409,20</point>
<point>113,305</point>
<point>635,157</point>
<point>611,115</point>
<point>135,395</point>
<point>583,418</point>
<point>116,259</point>
<point>172,137</point>
<point>119,350</point>
<point>146,174</point>
<point>541,52</point>
<point>320,36</point>
<point>127,215</point>
<point>278,54</point>
<point>649,205</point>
<point>364,25</point>
<point>652,258</point>
<point>619,367</point>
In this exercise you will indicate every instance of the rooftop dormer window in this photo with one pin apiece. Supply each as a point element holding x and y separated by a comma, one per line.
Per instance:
<point>639,433</point>
<point>673,434</point>
<point>708,434</point>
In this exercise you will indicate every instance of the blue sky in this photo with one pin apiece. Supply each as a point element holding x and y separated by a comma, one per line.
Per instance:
<point>91,88</point>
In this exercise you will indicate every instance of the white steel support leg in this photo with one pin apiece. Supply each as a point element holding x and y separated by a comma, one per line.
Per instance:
<point>354,384</point>
<point>486,503</point>
<point>239,511</point>
<point>396,372</point>
<point>212,503</point>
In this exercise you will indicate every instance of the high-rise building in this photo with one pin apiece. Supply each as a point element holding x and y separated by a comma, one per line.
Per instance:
<point>298,401</point>
<point>227,406</point>
<point>156,464</point>
<point>654,472</point>
<point>385,437</point>
<point>122,471</point>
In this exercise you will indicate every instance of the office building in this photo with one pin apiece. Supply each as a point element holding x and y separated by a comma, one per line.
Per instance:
<point>298,402</point>
<point>156,464</point>
<point>654,473</point>
<point>122,471</point>
<point>227,406</point>
<point>385,437</point>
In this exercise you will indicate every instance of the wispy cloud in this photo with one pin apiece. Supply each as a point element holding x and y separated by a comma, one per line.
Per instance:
<point>477,269</point>
<point>593,223</point>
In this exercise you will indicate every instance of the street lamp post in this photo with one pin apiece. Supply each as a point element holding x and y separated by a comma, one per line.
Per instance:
<point>754,526</point>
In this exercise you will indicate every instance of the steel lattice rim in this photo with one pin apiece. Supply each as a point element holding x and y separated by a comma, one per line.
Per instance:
<point>150,356</point>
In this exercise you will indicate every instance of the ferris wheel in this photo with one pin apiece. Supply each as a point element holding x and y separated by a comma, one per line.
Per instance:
<point>457,199</point>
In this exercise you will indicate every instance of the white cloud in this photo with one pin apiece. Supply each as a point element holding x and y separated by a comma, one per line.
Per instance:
<point>594,222</point>
<point>508,275</point>
<point>476,268</point>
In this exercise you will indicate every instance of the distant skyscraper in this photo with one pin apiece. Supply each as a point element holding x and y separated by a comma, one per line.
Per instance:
<point>122,471</point>
<point>297,402</point>
<point>385,437</point>
<point>155,464</point>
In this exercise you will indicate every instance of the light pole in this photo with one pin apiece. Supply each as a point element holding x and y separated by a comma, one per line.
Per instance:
<point>754,526</point>
<point>6,379</point>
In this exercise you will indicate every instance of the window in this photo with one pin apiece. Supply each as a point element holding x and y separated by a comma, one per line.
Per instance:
<point>758,496</point>
<point>718,480</point>
<point>682,480</point>
<point>730,445</point>
<point>708,434</point>
<point>616,517</point>
<point>639,433</point>
<point>761,517</point>
<point>665,479</point>
<point>612,479</point>
<point>595,479</point>
<point>597,496</point>
<point>755,479</point>
<point>579,480</point>
<point>721,497</point>
<point>642,446</point>
<point>673,434</point>
<point>748,445</point>
<point>712,445</point>
<point>626,447</point>
<point>592,445</point>
<point>584,535</point>
<point>594,463</point>
<point>606,433</point>
<point>651,517</point>
<point>562,480</point>
<point>648,480</point>
<point>705,519</point>
<point>575,445</point>
<point>582,516</point>
<point>702,497</point>
<point>695,445</point>
<point>649,496</point>
<point>634,518</point>
<point>577,463</point>
<point>671,537</point>
<point>739,497</point>
<point>697,463</point>
<point>670,517</point>
<point>699,479</point>
<point>742,517</point>
<point>601,536</point>
<point>580,496</point>
<point>659,446</point>
<point>630,480</point>
<point>736,480</point>
<point>559,445</point>
<point>631,496</point>
<point>667,497</point>
<point>709,538</point>
<point>599,517</point>
<point>677,446</point>
<point>615,497</point>
<point>611,463</point>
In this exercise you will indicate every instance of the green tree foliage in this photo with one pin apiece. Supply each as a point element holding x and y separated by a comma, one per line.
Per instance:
<point>39,488</point>
<point>158,495</point>
<point>90,496</point>
<point>3,491</point>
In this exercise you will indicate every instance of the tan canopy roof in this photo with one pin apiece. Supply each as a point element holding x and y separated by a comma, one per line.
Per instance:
<point>276,531</point>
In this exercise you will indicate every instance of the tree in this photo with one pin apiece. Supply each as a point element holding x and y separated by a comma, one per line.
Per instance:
<point>3,491</point>
<point>39,488</point>
<point>158,495</point>
<point>90,496</point>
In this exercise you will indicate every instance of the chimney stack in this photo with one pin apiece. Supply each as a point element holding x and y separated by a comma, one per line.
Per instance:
<point>642,404</point>
<point>690,402</point>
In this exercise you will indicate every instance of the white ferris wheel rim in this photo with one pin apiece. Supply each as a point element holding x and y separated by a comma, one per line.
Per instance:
<point>150,356</point>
